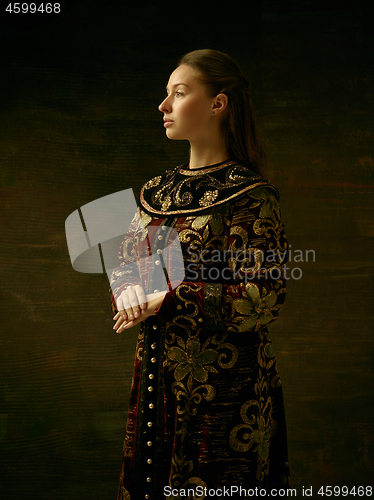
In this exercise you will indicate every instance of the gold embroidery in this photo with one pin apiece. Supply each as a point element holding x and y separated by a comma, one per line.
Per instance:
<point>216,223</point>
<point>189,485</point>
<point>179,462</point>
<point>199,222</point>
<point>184,236</point>
<point>259,426</point>
<point>271,227</point>
<point>186,197</point>
<point>153,182</point>
<point>224,360</point>
<point>145,218</point>
<point>166,203</point>
<point>268,201</point>
<point>251,312</point>
<point>125,494</point>
<point>208,198</point>
<point>187,303</point>
<point>184,188</point>
<point>192,360</point>
<point>194,172</point>
<point>199,209</point>
<point>235,177</point>
<point>243,234</point>
<point>189,397</point>
<point>242,217</point>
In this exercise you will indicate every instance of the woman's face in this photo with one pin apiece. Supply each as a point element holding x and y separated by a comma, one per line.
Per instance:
<point>187,110</point>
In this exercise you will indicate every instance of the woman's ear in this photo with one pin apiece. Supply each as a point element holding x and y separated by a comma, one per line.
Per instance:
<point>220,103</point>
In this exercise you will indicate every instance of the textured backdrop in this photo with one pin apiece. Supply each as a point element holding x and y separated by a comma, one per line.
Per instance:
<point>79,120</point>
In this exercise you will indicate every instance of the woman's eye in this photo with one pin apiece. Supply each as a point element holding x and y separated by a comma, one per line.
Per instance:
<point>177,94</point>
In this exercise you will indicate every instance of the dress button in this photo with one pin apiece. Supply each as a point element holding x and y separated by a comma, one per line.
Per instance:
<point>159,251</point>
<point>149,424</point>
<point>153,360</point>
<point>158,262</point>
<point>149,443</point>
<point>149,461</point>
<point>163,228</point>
<point>153,346</point>
<point>147,497</point>
<point>151,376</point>
<point>151,405</point>
<point>160,237</point>
<point>155,327</point>
<point>149,479</point>
<point>150,388</point>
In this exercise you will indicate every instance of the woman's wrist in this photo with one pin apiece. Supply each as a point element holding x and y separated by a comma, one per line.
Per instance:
<point>154,301</point>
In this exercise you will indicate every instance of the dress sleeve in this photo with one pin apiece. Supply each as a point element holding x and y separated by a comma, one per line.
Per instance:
<point>251,288</point>
<point>127,273</point>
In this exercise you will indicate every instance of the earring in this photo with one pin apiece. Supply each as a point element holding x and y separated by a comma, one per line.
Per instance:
<point>213,113</point>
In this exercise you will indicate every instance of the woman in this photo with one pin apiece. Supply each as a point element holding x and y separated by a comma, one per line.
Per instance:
<point>206,407</point>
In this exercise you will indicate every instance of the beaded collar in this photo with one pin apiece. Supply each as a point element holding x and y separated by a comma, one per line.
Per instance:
<point>182,191</point>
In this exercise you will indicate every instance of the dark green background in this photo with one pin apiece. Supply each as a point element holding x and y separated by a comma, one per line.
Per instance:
<point>79,120</point>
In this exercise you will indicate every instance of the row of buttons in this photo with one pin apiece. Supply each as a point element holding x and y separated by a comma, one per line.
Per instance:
<point>153,360</point>
<point>151,407</point>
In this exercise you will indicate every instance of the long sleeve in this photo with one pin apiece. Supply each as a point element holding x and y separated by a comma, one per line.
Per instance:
<point>234,266</point>
<point>128,273</point>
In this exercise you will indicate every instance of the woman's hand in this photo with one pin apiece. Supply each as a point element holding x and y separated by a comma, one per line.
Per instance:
<point>131,302</point>
<point>134,306</point>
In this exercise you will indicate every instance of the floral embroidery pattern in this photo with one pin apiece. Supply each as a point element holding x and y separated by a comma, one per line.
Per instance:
<point>259,425</point>
<point>192,361</point>
<point>208,198</point>
<point>268,201</point>
<point>153,182</point>
<point>253,313</point>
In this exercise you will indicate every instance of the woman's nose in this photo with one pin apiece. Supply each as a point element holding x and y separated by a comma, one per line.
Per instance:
<point>165,106</point>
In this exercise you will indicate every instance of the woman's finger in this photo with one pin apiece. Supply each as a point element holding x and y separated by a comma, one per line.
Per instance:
<point>119,314</point>
<point>132,307</point>
<point>126,301</point>
<point>142,300</point>
<point>129,324</point>
<point>119,303</point>
<point>120,320</point>
<point>125,325</point>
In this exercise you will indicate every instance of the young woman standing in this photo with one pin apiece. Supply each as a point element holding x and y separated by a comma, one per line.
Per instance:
<point>206,407</point>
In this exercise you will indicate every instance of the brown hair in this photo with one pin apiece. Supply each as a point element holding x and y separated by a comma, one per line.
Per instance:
<point>220,74</point>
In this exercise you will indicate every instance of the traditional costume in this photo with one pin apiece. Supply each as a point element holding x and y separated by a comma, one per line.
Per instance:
<point>206,407</point>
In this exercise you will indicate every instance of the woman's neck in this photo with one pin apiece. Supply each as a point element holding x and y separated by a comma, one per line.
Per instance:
<point>202,156</point>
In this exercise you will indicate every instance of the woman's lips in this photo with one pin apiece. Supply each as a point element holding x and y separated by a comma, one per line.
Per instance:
<point>167,123</point>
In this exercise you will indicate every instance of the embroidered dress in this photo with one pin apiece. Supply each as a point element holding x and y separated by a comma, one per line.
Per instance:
<point>206,405</point>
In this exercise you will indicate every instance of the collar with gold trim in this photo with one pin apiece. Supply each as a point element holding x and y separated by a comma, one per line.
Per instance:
<point>182,191</point>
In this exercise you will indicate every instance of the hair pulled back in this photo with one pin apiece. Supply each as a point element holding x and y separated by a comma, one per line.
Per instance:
<point>220,74</point>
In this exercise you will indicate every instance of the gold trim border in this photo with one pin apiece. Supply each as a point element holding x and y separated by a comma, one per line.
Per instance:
<point>206,170</point>
<point>201,209</point>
